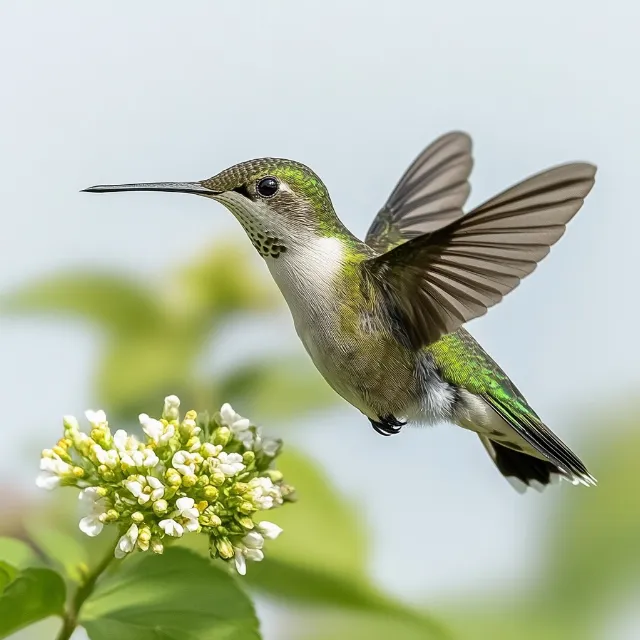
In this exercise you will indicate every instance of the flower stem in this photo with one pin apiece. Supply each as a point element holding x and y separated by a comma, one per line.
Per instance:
<point>70,620</point>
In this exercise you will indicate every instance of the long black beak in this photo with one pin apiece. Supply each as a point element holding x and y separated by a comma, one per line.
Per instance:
<point>175,187</point>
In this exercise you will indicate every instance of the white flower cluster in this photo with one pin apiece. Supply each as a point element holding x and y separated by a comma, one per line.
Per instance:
<point>191,475</point>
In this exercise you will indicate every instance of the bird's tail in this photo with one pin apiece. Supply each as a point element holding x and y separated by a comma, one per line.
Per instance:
<point>521,469</point>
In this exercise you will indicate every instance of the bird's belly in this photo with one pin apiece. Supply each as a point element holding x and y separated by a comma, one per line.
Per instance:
<point>373,373</point>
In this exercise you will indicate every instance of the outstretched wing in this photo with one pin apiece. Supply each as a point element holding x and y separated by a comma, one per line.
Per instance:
<point>437,282</point>
<point>429,196</point>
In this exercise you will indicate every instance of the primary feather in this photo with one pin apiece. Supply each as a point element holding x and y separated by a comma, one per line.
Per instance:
<point>429,196</point>
<point>441,280</point>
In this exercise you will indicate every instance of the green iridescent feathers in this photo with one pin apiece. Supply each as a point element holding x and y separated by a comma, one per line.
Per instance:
<point>303,184</point>
<point>463,362</point>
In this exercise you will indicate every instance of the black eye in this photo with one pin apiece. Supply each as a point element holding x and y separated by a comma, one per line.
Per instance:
<point>267,187</point>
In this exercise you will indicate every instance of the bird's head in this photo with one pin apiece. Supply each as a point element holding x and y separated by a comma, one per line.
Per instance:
<point>278,202</point>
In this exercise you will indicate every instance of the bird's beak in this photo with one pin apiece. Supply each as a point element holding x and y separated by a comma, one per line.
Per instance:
<point>175,187</point>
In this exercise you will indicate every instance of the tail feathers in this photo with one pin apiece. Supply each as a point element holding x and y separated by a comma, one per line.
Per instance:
<point>523,470</point>
<point>541,440</point>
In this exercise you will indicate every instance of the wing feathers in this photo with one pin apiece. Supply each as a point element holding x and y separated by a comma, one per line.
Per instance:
<point>430,194</point>
<point>443,279</point>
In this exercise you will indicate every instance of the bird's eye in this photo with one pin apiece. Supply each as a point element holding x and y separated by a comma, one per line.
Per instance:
<point>267,187</point>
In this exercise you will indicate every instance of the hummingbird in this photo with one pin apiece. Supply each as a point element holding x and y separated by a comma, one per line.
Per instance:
<point>383,319</point>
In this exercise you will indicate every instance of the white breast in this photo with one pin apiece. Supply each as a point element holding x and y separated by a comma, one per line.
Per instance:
<point>306,275</point>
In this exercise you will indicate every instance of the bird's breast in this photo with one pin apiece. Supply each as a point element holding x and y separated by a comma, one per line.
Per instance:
<point>347,338</point>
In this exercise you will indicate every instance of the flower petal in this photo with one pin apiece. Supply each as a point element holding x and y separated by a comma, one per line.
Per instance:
<point>241,565</point>
<point>269,530</point>
<point>134,488</point>
<point>90,525</point>
<point>254,554</point>
<point>48,481</point>
<point>171,527</point>
<point>253,540</point>
<point>182,504</point>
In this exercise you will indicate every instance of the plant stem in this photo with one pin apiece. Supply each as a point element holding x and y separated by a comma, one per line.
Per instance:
<point>70,621</point>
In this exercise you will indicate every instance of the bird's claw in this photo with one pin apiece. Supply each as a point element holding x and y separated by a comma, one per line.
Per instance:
<point>387,426</point>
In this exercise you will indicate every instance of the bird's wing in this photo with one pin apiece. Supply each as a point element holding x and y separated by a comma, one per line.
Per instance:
<point>438,281</point>
<point>429,196</point>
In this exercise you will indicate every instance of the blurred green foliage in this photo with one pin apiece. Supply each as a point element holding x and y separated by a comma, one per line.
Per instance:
<point>155,338</point>
<point>28,593</point>
<point>590,565</point>
<point>183,596</point>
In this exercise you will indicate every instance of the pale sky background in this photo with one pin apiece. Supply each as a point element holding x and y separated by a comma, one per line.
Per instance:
<point>158,90</point>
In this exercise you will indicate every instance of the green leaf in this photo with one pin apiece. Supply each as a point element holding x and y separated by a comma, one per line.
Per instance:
<point>179,595</point>
<point>320,557</point>
<point>116,303</point>
<point>312,585</point>
<point>321,530</point>
<point>63,549</point>
<point>594,543</point>
<point>501,619</point>
<point>7,574</point>
<point>138,371</point>
<point>225,281</point>
<point>298,583</point>
<point>377,626</point>
<point>33,595</point>
<point>278,389</point>
<point>16,552</point>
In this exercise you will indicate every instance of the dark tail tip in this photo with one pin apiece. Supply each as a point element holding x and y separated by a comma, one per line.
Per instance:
<point>523,470</point>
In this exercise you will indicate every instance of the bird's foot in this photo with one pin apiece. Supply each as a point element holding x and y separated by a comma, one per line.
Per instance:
<point>387,426</point>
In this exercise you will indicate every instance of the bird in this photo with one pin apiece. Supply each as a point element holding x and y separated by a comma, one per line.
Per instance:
<point>383,319</point>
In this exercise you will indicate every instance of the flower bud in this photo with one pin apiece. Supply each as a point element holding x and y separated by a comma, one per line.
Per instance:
<point>245,522</point>
<point>288,493</point>
<point>217,477</point>
<point>274,475</point>
<point>210,450</point>
<point>247,507</point>
<point>222,436</point>
<point>70,422</point>
<point>210,493</point>
<point>112,515</point>
<point>239,488</point>
<point>156,546</point>
<point>225,548</point>
<point>160,507</point>
<point>144,537</point>
<point>189,481</point>
<point>214,520</point>
<point>173,477</point>
<point>171,406</point>
<point>193,444</point>
<point>137,517</point>
<point>248,457</point>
